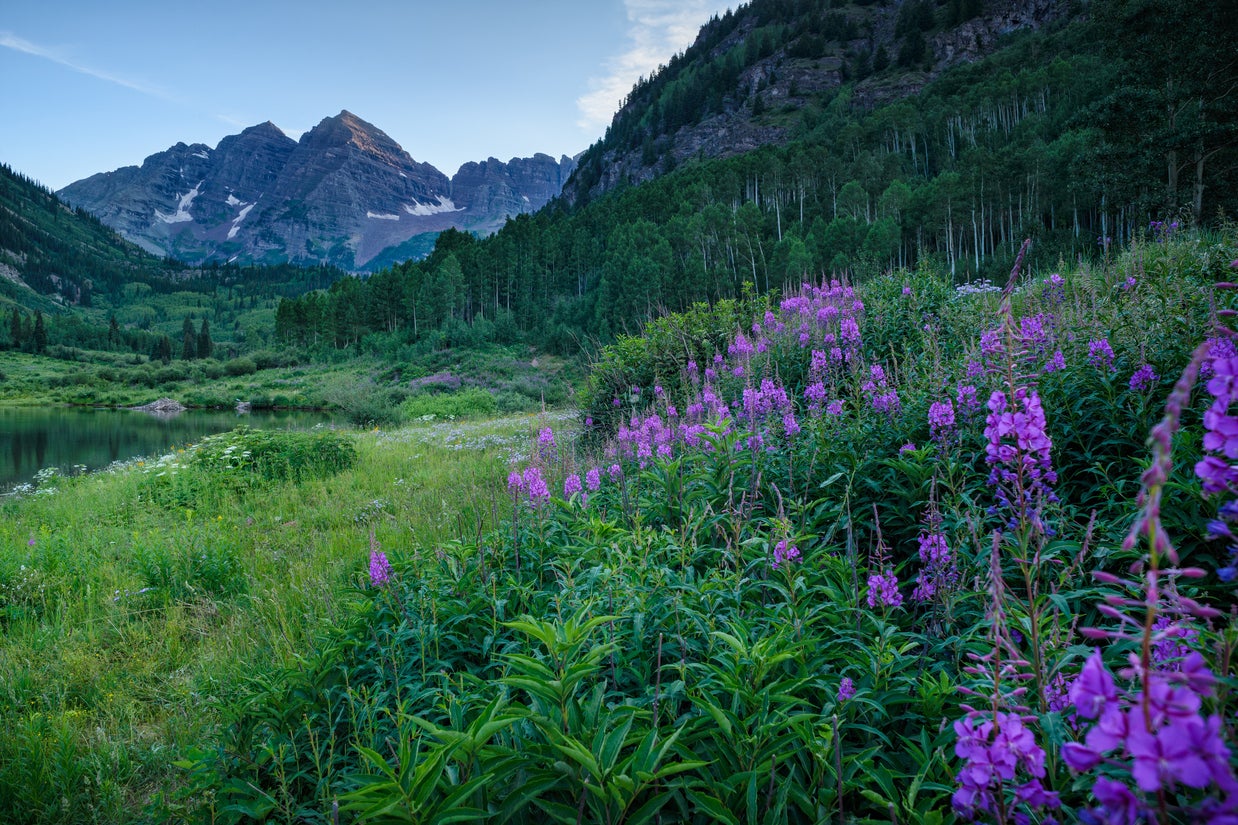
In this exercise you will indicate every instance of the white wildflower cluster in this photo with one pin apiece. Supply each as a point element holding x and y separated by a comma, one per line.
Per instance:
<point>980,287</point>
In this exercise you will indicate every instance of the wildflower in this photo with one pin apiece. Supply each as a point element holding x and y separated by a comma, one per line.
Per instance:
<point>572,486</point>
<point>380,568</point>
<point>909,447</point>
<point>1023,468</point>
<point>883,590</point>
<point>1100,354</point>
<point>546,442</point>
<point>906,290</point>
<point>941,419</point>
<point>966,398</point>
<point>835,408</point>
<point>615,472</point>
<point>846,689</point>
<point>1143,378</point>
<point>535,486</point>
<point>784,554</point>
<point>515,483</point>
<point>1057,362</point>
<point>995,749</point>
<point>593,479</point>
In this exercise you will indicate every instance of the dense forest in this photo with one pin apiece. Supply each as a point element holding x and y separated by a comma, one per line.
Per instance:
<point>1039,140</point>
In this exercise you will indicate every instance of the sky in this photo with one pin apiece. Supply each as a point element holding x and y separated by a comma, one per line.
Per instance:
<point>93,86</point>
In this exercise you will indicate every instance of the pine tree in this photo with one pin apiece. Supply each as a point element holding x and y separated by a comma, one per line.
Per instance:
<point>205,347</point>
<point>15,330</point>
<point>163,349</point>
<point>189,341</point>
<point>113,331</point>
<point>40,333</point>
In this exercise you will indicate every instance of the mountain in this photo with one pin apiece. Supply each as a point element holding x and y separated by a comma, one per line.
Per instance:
<point>750,74</point>
<point>54,256</point>
<point>1113,123</point>
<point>343,194</point>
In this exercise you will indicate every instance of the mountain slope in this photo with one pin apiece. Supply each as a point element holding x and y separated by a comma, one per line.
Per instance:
<point>53,255</point>
<point>751,74</point>
<point>342,194</point>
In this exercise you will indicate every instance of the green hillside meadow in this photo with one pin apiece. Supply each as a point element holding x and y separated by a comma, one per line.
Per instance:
<point>896,551</point>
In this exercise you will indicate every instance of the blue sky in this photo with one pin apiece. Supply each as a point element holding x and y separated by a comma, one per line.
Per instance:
<point>92,86</point>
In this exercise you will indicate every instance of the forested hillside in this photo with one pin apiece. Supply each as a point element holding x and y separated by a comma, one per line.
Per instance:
<point>1079,135</point>
<point>66,280</point>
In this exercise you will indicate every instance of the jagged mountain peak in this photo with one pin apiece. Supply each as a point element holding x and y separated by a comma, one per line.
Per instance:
<point>345,193</point>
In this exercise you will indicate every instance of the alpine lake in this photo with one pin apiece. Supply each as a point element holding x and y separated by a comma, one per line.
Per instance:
<point>74,440</point>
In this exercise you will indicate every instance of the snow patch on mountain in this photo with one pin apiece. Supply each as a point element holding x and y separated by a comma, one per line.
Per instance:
<point>236,222</point>
<point>182,209</point>
<point>382,217</point>
<point>423,209</point>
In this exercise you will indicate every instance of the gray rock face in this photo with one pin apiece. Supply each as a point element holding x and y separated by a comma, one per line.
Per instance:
<point>341,195</point>
<point>785,83</point>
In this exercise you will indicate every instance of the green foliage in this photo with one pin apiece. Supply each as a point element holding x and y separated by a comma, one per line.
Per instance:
<point>469,402</point>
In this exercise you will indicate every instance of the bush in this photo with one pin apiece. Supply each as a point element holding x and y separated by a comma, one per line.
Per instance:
<point>454,405</point>
<point>241,366</point>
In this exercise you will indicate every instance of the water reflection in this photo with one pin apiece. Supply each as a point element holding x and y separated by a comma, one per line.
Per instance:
<point>32,438</point>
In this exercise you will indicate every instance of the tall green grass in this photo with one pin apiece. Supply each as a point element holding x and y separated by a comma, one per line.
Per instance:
<point>135,603</point>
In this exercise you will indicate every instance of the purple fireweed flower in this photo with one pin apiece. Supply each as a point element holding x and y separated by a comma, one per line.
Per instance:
<point>535,486</point>
<point>941,419</point>
<point>846,689</point>
<point>909,447</point>
<point>990,343</point>
<point>994,751</point>
<point>593,479</point>
<point>380,568</point>
<point>572,486</point>
<point>515,483</point>
<point>906,290</point>
<point>785,554</point>
<point>615,472</point>
<point>938,568</point>
<point>1100,354</point>
<point>1056,362</point>
<point>1143,378</point>
<point>1022,472</point>
<point>1119,805</point>
<point>975,369</point>
<point>1094,691</point>
<point>883,590</point>
<point>835,408</point>
<point>966,398</point>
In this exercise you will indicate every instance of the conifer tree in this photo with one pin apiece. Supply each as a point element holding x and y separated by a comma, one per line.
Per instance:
<point>163,349</point>
<point>205,347</point>
<point>40,333</point>
<point>15,330</point>
<point>189,341</point>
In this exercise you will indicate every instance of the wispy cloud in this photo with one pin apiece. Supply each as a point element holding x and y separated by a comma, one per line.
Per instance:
<point>11,41</point>
<point>658,29</point>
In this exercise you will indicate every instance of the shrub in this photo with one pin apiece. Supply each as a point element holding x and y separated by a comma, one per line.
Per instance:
<point>454,405</point>
<point>240,366</point>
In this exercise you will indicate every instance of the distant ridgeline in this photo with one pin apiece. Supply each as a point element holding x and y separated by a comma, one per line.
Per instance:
<point>880,145</point>
<point>66,281</point>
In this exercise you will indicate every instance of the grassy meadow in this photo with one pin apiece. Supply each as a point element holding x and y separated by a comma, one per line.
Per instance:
<point>363,389</point>
<point>136,602</point>
<point>897,551</point>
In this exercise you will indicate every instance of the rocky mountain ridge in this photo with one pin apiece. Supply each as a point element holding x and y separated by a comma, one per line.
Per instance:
<point>752,73</point>
<point>342,195</point>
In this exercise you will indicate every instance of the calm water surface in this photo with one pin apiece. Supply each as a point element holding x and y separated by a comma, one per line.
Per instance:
<point>32,438</point>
